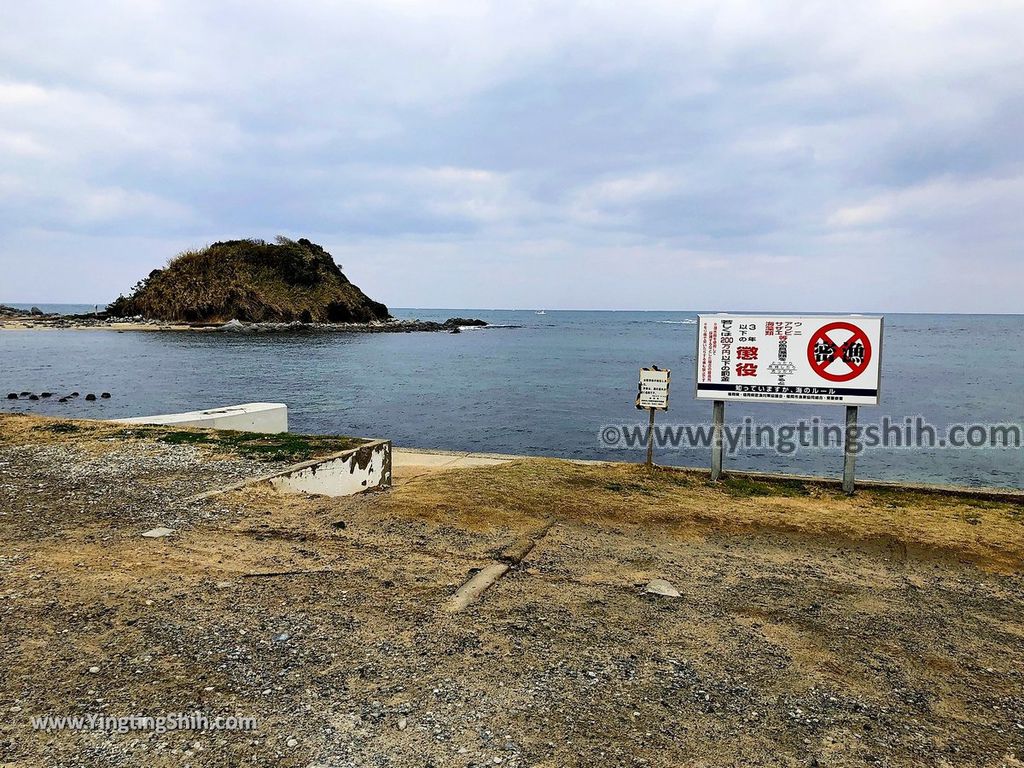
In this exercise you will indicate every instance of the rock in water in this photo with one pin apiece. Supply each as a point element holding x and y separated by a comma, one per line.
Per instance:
<point>12,395</point>
<point>90,397</point>
<point>662,588</point>
<point>251,281</point>
<point>233,325</point>
<point>35,311</point>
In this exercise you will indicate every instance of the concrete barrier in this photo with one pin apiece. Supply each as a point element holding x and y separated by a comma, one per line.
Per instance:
<point>343,474</point>
<point>353,471</point>
<point>269,418</point>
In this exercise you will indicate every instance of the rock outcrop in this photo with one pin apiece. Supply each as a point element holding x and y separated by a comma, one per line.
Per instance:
<point>252,281</point>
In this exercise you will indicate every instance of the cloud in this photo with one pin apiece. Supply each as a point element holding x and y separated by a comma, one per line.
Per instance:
<point>619,200</point>
<point>944,207</point>
<point>767,141</point>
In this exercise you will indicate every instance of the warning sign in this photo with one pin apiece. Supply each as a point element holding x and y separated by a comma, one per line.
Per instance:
<point>839,360</point>
<point>653,389</point>
<point>785,358</point>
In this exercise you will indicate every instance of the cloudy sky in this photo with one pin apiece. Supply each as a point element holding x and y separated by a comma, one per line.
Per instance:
<point>864,156</point>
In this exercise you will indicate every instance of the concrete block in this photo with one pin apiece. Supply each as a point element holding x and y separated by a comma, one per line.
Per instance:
<point>269,418</point>
<point>354,471</point>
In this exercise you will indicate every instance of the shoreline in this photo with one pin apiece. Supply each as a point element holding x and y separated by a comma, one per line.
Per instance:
<point>79,323</point>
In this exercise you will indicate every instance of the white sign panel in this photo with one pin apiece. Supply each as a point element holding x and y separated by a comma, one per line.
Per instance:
<point>653,391</point>
<point>789,359</point>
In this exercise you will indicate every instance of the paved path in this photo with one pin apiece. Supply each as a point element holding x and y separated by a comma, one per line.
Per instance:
<point>407,463</point>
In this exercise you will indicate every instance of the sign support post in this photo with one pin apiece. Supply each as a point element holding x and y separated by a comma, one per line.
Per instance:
<point>652,394</point>
<point>650,441</point>
<point>717,443</point>
<point>849,454</point>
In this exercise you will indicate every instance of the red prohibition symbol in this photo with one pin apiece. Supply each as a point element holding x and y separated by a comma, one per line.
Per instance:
<point>823,350</point>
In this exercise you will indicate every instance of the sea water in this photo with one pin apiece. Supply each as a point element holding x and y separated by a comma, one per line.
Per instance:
<point>540,384</point>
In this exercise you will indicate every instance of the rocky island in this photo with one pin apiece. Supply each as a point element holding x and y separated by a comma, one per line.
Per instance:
<point>251,281</point>
<point>245,285</point>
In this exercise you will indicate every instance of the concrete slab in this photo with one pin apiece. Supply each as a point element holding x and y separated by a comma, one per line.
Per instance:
<point>407,463</point>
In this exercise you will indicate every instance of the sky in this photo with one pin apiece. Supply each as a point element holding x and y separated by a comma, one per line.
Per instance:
<point>727,156</point>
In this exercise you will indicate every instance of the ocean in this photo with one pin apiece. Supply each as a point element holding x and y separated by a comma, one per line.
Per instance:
<point>538,384</point>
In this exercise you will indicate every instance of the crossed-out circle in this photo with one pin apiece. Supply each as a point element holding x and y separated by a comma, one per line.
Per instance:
<point>856,368</point>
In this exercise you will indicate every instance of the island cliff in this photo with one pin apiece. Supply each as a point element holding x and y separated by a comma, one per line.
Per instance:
<point>252,281</point>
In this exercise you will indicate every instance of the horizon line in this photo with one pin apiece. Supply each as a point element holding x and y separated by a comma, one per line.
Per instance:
<point>592,309</point>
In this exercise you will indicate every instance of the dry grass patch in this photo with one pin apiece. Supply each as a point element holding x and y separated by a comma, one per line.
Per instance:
<point>532,490</point>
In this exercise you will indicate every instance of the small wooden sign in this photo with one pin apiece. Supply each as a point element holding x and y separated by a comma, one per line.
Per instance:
<point>653,390</point>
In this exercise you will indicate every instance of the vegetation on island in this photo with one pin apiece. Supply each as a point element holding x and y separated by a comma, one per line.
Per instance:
<point>252,281</point>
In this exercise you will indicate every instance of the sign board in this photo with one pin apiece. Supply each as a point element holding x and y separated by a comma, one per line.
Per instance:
<point>829,360</point>
<point>653,390</point>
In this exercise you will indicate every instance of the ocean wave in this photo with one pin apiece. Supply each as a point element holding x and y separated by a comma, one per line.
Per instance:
<point>687,321</point>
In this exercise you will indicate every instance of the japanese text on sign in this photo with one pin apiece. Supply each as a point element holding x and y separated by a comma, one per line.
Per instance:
<point>782,358</point>
<point>653,390</point>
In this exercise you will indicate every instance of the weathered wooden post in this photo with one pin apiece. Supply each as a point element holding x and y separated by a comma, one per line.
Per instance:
<point>650,440</point>
<point>717,441</point>
<point>652,394</point>
<point>849,452</point>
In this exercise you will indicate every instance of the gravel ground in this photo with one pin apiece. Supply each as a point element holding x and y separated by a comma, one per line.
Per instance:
<point>113,482</point>
<point>324,620</point>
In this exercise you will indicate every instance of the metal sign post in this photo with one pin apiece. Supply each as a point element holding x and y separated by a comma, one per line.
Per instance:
<point>652,394</point>
<point>717,441</point>
<point>849,454</point>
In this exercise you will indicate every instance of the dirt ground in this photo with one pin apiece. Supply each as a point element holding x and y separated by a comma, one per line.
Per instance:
<point>810,629</point>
